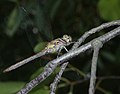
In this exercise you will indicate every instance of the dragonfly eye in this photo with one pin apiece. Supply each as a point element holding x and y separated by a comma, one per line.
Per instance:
<point>67,38</point>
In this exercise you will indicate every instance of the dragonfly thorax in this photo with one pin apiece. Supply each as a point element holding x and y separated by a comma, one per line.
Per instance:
<point>57,44</point>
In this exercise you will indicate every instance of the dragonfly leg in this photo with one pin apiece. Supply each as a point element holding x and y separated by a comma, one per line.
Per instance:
<point>59,52</point>
<point>65,48</point>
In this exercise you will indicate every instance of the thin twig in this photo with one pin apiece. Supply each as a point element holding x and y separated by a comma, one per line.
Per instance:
<point>94,30</point>
<point>53,86</point>
<point>99,78</point>
<point>51,66</point>
<point>96,47</point>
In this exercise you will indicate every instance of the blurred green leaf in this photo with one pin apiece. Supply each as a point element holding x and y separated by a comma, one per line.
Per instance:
<point>70,92</point>
<point>109,93</point>
<point>109,9</point>
<point>37,72</point>
<point>41,91</point>
<point>14,21</point>
<point>10,87</point>
<point>62,85</point>
<point>40,46</point>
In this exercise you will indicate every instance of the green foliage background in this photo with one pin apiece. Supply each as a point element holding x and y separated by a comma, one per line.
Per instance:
<point>27,25</point>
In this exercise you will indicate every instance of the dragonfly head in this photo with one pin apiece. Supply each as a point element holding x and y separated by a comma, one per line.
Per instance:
<point>67,38</point>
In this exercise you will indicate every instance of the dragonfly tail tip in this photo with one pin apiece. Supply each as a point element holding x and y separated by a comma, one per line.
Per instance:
<point>6,70</point>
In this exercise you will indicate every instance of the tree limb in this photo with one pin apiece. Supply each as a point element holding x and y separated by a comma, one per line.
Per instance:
<point>50,67</point>
<point>96,44</point>
<point>82,39</point>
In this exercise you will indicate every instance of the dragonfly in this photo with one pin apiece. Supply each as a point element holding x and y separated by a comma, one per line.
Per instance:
<point>54,46</point>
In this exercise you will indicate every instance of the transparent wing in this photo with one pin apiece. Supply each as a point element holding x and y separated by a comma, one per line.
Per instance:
<point>38,27</point>
<point>36,32</point>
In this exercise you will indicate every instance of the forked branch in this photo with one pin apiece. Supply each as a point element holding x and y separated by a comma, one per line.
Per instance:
<point>78,43</point>
<point>96,47</point>
<point>51,66</point>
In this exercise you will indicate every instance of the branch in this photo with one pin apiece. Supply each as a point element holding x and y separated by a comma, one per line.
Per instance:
<point>50,67</point>
<point>96,46</point>
<point>53,86</point>
<point>94,30</point>
<point>78,43</point>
